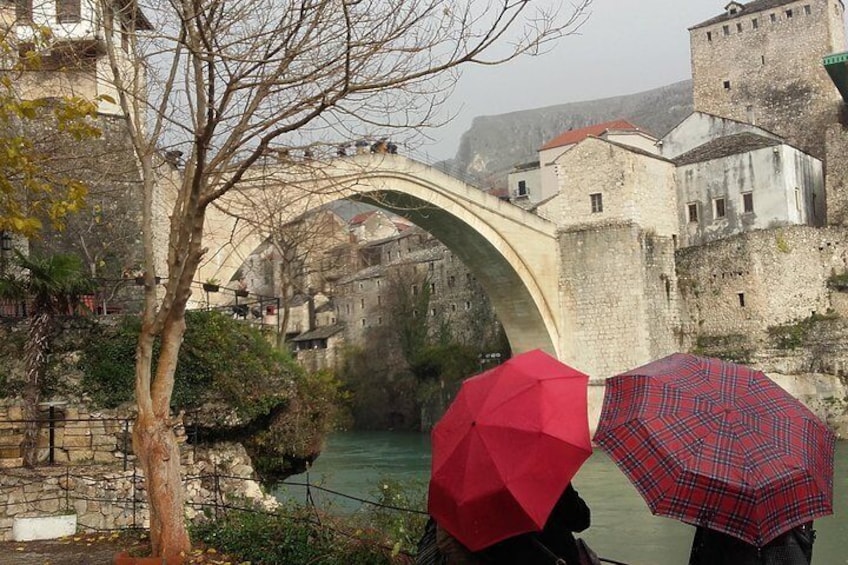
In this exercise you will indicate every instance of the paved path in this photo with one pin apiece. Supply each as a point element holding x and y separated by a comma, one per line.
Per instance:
<point>57,552</point>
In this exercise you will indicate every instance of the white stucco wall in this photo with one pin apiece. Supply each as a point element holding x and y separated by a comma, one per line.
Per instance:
<point>533,180</point>
<point>637,139</point>
<point>771,174</point>
<point>700,128</point>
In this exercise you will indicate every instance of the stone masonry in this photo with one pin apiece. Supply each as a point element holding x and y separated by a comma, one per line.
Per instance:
<point>763,65</point>
<point>92,481</point>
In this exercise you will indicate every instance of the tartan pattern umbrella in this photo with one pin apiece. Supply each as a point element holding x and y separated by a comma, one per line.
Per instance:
<point>719,445</point>
<point>506,449</point>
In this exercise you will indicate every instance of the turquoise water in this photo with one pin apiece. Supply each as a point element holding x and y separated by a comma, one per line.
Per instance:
<point>622,527</point>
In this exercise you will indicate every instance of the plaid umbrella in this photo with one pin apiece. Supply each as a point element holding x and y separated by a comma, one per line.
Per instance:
<point>719,445</point>
<point>506,449</point>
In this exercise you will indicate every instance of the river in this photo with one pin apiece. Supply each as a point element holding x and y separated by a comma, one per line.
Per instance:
<point>622,527</point>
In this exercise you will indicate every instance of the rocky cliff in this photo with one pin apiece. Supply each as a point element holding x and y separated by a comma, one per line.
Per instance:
<point>495,144</point>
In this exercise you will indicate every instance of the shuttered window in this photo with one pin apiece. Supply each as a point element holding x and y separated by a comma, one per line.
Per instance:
<point>67,11</point>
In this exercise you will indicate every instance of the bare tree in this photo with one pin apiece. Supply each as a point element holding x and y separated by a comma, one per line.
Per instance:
<point>230,80</point>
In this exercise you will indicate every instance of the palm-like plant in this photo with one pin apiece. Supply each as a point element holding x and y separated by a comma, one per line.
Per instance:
<point>54,285</point>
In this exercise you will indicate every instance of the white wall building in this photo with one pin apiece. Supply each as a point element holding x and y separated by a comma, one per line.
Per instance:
<point>743,182</point>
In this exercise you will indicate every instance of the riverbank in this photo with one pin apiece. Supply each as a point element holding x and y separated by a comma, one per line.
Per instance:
<point>622,528</point>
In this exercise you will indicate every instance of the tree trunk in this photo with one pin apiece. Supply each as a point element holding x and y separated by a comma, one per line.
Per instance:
<point>156,446</point>
<point>36,358</point>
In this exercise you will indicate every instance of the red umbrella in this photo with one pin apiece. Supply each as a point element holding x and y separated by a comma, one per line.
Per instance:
<point>507,447</point>
<point>719,445</point>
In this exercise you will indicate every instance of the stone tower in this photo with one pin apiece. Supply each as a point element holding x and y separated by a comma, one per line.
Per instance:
<point>761,62</point>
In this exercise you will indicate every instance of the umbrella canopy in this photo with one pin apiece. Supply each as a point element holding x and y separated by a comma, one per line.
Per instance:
<point>507,447</point>
<point>719,445</point>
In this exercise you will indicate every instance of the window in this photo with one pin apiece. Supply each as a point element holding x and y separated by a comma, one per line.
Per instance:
<point>741,296</point>
<point>522,188</point>
<point>379,320</point>
<point>67,11</point>
<point>431,266</point>
<point>739,28</point>
<point>797,198</point>
<point>709,36</point>
<point>362,322</point>
<point>693,212</point>
<point>807,10</point>
<point>453,307</point>
<point>788,13</point>
<point>362,304</point>
<point>433,312</point>
<point>763,59</point>
<point>432,288</point>
<point>748,202</point>
<point>727,85</point>
<point>361,286</point>
<point>469,278</point>
<point>755,24</point>
<point>378,283</point>
<point>451,281</point>
<point>23,10</point>
<point>467,305</point>
<point>773,18</point>
<point>718,208</point>
<point>597,200</point>
<point>379,300</point>
<point>725,30</point>
<point>415,290</point>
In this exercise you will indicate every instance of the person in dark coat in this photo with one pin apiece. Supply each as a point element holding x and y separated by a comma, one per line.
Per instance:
<point>570,514</point>
<point>794,547</point>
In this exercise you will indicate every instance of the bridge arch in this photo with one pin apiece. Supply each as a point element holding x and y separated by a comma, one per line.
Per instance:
<point>513,253</point>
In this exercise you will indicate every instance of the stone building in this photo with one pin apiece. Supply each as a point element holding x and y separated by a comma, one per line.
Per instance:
<point>743,182</point>
<point>417,266</point>
<point>537,181</point>
<point>761,63</point>
<point>74,61</point>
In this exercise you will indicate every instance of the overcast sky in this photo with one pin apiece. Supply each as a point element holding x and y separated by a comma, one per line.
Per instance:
<point>626,46</point>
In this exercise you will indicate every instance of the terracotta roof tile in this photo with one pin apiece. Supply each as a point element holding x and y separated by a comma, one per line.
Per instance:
<point>577,135</point>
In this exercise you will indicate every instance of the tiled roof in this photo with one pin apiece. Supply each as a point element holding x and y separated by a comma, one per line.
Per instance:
<point>577,135</point>
<point>322,332</point>
<point>724,147</point>
<point>747,10</point>
<point>361,218</point>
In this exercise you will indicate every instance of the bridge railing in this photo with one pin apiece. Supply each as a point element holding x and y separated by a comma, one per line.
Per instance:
<point>125,296</point>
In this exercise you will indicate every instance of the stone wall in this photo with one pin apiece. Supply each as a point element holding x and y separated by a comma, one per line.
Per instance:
<point>837,175</point>
<point>634,187</point>
<point>749,74</point>
<point>99,481</point>
<point>619,291</point>
<point>744,284</point>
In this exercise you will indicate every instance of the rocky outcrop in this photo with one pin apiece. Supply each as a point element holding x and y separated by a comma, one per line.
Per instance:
<point>495,144</point>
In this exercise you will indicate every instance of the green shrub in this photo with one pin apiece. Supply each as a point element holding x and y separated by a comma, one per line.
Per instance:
<point>220,359</point>
<point>838,282</point>
<point>792,336</point>
<point>292,535</point>
<point>397,529</point>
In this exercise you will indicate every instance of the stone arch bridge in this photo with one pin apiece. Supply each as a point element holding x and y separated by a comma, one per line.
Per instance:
<point>514,254</point>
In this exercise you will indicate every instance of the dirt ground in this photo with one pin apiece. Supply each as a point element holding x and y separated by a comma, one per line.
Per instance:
<point>90,549</point>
